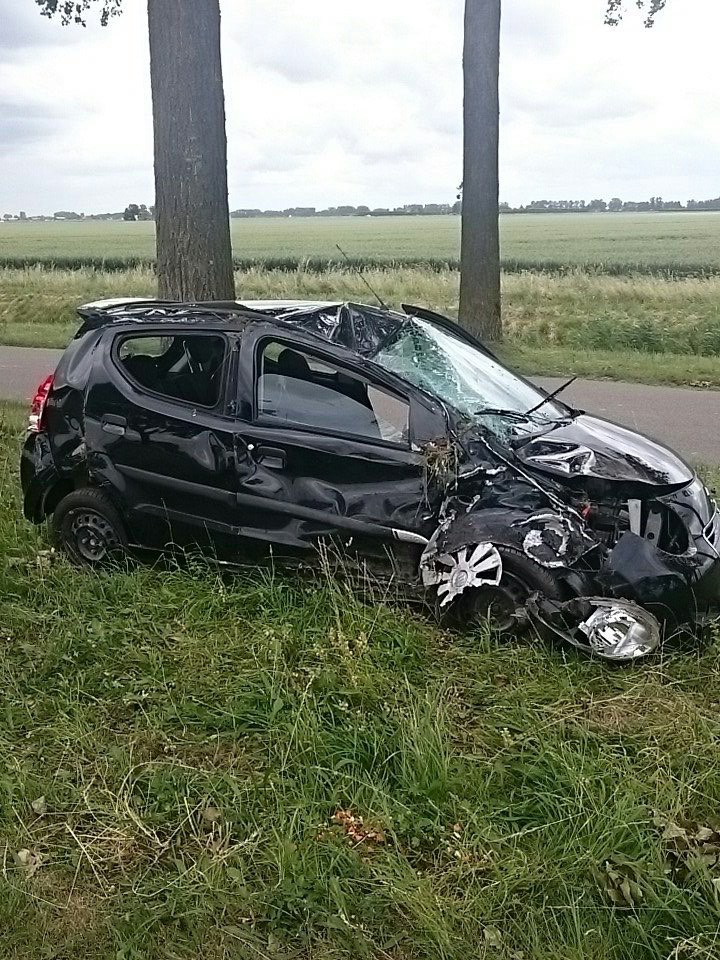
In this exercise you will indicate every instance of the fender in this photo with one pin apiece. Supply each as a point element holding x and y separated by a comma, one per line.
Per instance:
<point>552,539</point>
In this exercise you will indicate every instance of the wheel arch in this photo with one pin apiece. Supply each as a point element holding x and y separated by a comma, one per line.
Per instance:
<point>545,544</point>
<point>57,492</point>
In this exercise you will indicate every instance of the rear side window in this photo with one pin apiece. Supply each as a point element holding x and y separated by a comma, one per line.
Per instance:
<point>180,367</point>
<point>298,389</point>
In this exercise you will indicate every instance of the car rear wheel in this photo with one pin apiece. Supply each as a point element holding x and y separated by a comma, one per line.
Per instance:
<point>521,578</point>
<point>88,528</point>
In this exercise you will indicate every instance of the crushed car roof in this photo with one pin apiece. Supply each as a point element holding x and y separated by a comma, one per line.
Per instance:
<point>269,305</point>
<point>358,327</point>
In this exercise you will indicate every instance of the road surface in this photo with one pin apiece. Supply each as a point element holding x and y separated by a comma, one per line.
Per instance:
<point>686,419</point>
<point>22,369</point>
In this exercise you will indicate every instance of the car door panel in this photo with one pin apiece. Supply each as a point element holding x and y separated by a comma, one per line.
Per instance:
<point>333,477</point>
<point>363,506</point>
<point>171,463</point>
<point>370,496</point>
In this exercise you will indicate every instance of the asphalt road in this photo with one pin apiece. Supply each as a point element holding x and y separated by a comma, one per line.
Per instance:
<point>687,420</point>
<point>22,369</point>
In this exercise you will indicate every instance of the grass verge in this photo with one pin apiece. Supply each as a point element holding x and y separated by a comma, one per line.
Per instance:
<point>201,767</point>
<point>632,366</point>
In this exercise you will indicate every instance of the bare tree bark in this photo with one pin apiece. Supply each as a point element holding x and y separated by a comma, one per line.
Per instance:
<point>194,253</point>
<point>480,250</point>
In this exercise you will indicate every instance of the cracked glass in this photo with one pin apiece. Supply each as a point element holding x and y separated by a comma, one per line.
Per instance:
<point>461,375</point>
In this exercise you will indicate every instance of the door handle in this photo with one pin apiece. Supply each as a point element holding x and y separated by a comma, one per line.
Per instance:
<point>114,425</point>
<point>273,457</point>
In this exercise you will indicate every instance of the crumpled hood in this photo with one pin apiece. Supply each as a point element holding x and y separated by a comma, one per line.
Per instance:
<point>594,448</point>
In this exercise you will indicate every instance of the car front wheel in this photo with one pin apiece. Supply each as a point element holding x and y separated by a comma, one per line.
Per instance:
<point>88,528</point>
<point>501,604</point>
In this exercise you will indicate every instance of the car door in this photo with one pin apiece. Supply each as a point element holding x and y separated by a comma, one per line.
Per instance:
<point>325,452</point>
<point>159,431</point>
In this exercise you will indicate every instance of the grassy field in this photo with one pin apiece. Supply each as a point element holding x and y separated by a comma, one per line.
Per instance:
<point>641,328</point>
<point>197,767</point>
<point>627,241</point>
<point>658,329</point>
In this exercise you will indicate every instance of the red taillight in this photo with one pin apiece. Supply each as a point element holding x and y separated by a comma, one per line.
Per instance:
<point>37,410</point>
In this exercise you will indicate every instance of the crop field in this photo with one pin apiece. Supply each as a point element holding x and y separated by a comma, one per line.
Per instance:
<point>633,297</point>
<point>198,766</point>
<point>621,243</point>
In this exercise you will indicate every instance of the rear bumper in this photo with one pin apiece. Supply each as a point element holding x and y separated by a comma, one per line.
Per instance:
<point>38,474</point>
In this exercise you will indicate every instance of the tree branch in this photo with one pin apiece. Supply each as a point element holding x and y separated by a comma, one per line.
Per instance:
<point>616,9</point>
<point>74,11</point>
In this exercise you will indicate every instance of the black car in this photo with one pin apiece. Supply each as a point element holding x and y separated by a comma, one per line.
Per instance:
<point>394,438</point>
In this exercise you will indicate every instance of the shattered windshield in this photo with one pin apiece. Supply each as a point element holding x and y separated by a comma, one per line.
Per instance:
<point>463,376</point>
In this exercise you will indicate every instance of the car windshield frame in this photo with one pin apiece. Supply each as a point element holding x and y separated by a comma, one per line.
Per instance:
<point>449,368</point>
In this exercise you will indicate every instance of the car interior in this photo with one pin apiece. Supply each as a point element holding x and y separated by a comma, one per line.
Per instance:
<point>186,368</point>
<point>293,387</point>
<point>293,364</point>
<point>301,389</point>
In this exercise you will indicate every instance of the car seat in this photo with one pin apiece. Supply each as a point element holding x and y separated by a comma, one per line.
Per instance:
<point>199,381</point>
<point>292,364</point>
<point>144,369</point>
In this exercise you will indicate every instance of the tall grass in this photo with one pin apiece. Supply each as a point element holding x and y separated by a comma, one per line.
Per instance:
<point>579,311</point>
<point>313,264</point>
<point>198,766</point>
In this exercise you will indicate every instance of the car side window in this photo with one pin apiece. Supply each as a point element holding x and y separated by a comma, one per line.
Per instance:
<point>186,368</point>
<point>295,388</point>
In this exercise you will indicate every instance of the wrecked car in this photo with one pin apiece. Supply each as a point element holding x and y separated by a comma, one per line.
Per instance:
<point>395,438</point>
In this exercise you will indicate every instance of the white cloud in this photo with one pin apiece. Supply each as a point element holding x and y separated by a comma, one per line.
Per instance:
<point>336,103</point>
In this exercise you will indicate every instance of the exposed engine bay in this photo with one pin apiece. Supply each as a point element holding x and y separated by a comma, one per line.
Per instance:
<point>625,559</point>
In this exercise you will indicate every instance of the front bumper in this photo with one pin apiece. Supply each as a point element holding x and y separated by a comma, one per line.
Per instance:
<point>706,589</point>
<point>684,586</point>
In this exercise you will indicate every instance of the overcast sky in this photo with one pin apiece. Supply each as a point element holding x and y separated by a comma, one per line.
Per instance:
<point>333,102</point>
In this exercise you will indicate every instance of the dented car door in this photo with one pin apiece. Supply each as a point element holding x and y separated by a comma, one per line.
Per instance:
<point>158,432</point>
<point>325,451</point>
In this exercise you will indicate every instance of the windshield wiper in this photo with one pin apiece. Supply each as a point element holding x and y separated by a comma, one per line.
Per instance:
<point>551,396</point>
<point>508,414</point>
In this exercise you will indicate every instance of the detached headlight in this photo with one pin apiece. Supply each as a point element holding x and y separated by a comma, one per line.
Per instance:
<point>618,630</point>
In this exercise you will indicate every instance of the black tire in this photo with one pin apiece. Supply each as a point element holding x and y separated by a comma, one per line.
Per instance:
<point>88,528</point>
<point>521,578</point>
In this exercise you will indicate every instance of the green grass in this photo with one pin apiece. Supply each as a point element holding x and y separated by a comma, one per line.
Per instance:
<point>632,328</point>
<point>176,746</point>
<point>629,366</point>
<point>666,242</point>
<point>589,322</point>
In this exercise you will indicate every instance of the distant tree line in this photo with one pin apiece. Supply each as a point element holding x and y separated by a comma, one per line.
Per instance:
<point>141,211</point>
<point>133,211</point>
<point>409,210</point>
<point>616,205</point>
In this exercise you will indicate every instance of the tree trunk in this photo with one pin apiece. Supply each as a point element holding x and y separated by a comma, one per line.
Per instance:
<point>480,251</point>
<point>194,253</point>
